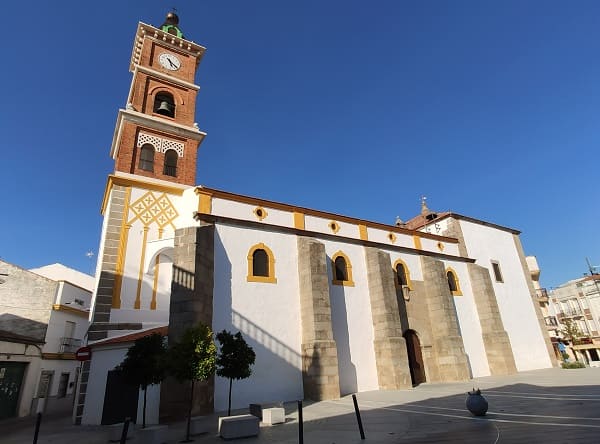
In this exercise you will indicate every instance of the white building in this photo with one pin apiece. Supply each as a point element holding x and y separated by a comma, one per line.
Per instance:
<point>578,300</point>
<point>43,320</point>
<point>331,304</point>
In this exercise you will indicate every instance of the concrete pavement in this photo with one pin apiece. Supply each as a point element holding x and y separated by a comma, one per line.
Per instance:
<point>550,406</point>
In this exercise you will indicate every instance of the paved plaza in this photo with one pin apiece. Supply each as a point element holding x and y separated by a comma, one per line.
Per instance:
<point>542,406</point>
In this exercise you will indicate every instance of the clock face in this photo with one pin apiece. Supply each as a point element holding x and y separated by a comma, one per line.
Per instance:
<point>169,61</point>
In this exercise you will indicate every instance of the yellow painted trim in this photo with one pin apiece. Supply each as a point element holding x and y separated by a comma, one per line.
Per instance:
<point>298,220</point>
<point>260,213</point>
<point>138,294</point>
<point>362,231</point>
<point>120,265</point>
<point>127,182</point>
<point>270,279</point>
<point>71,310</point>
<point>155,283</point>
<point>440,246</point>
<point>406,273</point>
<point>63,356</point>
<point>348,282</point>
<point>392,237</point>
<point>417,241</point>
<point>204,201</point>
<point>458,291</point>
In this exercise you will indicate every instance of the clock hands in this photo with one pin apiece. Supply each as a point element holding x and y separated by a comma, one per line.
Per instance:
<point>171,63</point>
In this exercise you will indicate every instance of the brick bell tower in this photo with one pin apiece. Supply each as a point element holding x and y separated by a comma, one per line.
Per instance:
<point>155,136</point>
<point>154,147</point>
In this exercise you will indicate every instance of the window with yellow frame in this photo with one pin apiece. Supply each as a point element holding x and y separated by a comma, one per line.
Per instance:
<point>453,282</point>
<point>402,274</point>
<point>341,270</point>
<point>261,264</point>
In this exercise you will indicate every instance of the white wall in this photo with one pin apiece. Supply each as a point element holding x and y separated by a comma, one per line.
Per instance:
<point>59,272</point>
<point>103,360</point>
<point>514,300</point>
<point>267,314</point>
<point>469,323</point>
<point>56,329</point>
<point>353,322</point>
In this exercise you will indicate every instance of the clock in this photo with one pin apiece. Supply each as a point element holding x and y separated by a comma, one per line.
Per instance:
<point>169,61</point>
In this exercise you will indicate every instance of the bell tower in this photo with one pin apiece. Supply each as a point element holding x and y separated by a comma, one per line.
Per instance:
<point>154,147</point>
<point>155,136</point>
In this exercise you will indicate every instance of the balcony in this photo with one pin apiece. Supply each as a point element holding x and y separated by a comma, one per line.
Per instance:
<point>569,313</point>
<point>551,321</point>
<point>69,345</point>
<point>541,294</point>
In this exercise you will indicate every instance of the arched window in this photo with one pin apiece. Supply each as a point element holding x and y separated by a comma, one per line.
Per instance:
<point>402,274</point>
<point>453,283</point>
<point>164,104</point>
<point>147,158</point>
<point>341,269</point>
<point>261,264</point>
<point>170,168</point>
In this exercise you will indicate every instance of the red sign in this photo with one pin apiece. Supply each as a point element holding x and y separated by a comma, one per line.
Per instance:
<point>83,354</point>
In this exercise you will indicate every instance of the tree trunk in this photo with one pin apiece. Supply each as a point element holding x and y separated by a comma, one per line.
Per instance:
<point>189,418</point>
<point>229,405</point>
<point>144,411</point>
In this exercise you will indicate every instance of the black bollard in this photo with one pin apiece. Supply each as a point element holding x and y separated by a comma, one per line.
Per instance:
<point>360,427</point>
<point>38,422</point>
<point>300,424</point>
<point>125,430</point>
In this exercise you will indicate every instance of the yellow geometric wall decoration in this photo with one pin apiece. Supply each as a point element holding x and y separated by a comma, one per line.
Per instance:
<point>151,208</point>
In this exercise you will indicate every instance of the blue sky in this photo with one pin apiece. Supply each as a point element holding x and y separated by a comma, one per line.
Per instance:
<point>490,109</point>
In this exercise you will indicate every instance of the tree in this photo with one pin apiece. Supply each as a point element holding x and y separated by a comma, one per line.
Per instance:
<point>192,359</point>
<point>234,360</point>
<point>571,332</point>
<point>144,364</point>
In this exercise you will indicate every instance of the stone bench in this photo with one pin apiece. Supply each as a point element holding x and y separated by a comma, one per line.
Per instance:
<point>274,415</point>
<point>257,409</point>
<point>116,430</point>
<point>157,434</point>
<point>240,426</point>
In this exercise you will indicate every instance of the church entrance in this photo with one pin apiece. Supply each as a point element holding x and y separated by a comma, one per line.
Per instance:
<point>415,358</point>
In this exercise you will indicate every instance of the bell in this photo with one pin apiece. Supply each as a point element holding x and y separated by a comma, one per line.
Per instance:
<point>165,109</point>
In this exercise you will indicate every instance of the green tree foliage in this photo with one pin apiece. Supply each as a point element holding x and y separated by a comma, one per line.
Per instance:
<point>571,332</point>
<point>235,359</point>
<point>193,359</point>
<point>144,364</point>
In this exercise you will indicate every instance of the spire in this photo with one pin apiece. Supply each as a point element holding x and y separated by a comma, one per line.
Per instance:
<point>171,25</point>
<point>424,209</point>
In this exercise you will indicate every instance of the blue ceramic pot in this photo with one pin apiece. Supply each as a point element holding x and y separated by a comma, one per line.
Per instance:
<point>476,403</point>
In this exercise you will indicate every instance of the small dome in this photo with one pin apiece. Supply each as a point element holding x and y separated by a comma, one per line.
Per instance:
<point>172,19</point>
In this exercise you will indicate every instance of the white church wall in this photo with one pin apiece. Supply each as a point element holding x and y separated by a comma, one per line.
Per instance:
<point>139,266</point>
<point>514,300</point>
<point>412,261</point>
<point>244,211</point>
<point>322,225</point>
<point>469,323</point>
<point>382,236</point>
<point>352,322</point>
<point>267,314</point>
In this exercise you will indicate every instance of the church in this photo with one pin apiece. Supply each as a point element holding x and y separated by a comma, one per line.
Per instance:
<point>331,304</point>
